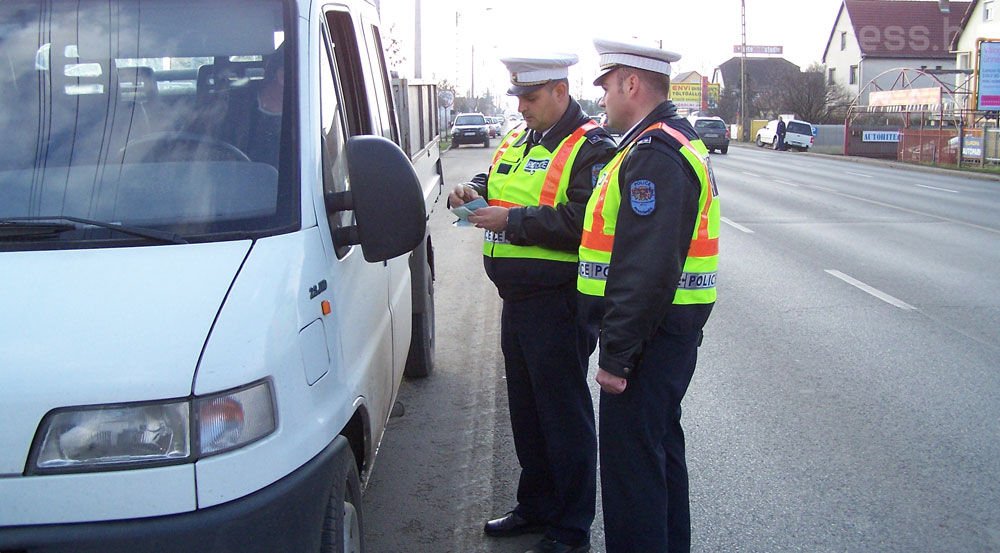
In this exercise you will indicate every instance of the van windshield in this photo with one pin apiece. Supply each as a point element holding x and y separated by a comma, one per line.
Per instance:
<point>161,114</point>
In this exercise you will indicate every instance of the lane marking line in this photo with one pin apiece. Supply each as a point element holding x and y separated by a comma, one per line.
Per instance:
<point>748,173</point>
<point>736,226</point>
<point>782,181</point>
<point>905,210</point>
<point>936,188</point>
<point>859,174</point>
<point>873,291</point>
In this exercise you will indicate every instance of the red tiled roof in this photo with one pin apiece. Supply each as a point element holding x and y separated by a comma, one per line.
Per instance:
<point>905,29</point>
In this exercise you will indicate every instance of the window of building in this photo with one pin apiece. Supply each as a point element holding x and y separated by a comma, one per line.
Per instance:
<point>843,40</point>
<point>988,10</point>
<point>853,77</point>
<point>963,61</point>
<point>830,75</point>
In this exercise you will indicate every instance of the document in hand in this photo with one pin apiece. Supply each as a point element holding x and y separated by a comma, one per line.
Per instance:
<point>463,211</point>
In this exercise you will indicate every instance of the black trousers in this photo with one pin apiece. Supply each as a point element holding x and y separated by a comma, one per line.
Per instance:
<point>551,414</point>
<point>644,478</point>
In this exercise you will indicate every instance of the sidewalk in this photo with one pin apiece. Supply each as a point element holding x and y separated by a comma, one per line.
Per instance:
<point>888,163</point>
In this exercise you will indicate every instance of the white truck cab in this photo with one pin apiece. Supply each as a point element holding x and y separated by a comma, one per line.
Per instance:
<point>216,270</point>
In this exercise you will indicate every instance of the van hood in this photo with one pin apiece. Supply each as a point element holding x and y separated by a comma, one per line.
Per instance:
<point>95,326</point>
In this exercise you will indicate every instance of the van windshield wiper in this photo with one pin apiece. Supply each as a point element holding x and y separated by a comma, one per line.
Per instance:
<point>24,227</point>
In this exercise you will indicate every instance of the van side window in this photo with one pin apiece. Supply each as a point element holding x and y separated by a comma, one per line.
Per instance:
<point>383,90</point>
<point>333,140</point>
<point>350,74</point>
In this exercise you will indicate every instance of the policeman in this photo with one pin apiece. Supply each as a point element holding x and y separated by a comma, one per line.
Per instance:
<point>648,260</point>
<point>537,188</point>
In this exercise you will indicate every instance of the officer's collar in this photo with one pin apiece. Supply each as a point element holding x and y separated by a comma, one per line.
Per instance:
<point>666,110</point>
<point>571,119</point>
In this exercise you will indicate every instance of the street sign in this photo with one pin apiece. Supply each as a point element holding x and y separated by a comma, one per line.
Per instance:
<point>446,98</point>
<point>738,49</point>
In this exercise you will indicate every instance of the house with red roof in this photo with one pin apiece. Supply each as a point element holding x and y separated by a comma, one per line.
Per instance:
<point>871,39</point>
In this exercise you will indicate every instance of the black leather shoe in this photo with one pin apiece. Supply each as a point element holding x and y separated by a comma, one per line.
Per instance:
<point>511,524</point>
<point>548,545</point>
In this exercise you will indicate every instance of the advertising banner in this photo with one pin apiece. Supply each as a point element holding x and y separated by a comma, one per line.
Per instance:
<point>988,94</point>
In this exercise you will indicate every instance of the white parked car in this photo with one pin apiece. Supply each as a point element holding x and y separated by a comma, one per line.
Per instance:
<point>798,135</point>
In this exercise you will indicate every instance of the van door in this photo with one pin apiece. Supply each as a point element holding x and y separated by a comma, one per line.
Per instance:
<point>362,324</point>
<point>400,299</point>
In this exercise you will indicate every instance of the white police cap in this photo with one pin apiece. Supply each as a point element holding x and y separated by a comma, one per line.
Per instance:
<point>529,73</point>
<point>613,53</point>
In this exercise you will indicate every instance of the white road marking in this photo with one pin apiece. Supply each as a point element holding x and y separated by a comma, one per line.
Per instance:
<point>782,181</point>
<point>936,188</point>
<point>749,174</point>
<point>736,226</point>
<point>873,291</point>
<point>859,174</point>
<point>913,211</point>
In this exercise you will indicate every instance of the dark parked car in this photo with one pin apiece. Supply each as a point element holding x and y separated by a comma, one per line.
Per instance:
<point>470,128</point>
<point>713,132</point>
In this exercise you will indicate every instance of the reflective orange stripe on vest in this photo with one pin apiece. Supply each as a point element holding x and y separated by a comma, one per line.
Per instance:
<point>511,138</point>
<point>595,238</point>
<point>554,174</point>
<point>702,246</point>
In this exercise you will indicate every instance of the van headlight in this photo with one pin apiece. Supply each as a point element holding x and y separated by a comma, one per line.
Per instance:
<point>115,437</point>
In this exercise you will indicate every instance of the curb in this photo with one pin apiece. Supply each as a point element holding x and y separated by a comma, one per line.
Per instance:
<point>889,163</point>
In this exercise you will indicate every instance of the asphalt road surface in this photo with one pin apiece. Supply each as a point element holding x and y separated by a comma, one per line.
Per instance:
<point>847,397</point>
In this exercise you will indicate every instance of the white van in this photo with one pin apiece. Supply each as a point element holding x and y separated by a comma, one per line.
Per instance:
<point>213,254</point>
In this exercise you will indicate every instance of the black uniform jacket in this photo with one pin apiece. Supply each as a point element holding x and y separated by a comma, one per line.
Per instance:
<point>651,244</point>
<point>558,227</point>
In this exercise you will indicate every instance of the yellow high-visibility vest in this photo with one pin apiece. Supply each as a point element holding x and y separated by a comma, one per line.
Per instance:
<point>534,178</point>
<point>697,282</point>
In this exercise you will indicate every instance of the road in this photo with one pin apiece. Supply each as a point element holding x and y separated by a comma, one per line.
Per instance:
<point>847,392</point>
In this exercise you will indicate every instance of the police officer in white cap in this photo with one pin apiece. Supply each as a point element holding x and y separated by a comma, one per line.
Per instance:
<point>537,188</point>
<point>648,260</point>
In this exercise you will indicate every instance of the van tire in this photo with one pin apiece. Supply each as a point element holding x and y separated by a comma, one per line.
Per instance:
<point>343,523</point>
<point>760,143</point>
<point>724,150</point>
<point>420,359</point>
<point>486,142</point>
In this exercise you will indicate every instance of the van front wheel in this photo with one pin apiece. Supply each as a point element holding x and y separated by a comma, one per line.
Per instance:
<point>343,528</point>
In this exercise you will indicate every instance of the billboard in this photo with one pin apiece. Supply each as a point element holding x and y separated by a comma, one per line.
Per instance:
<point>988,70</point>
<point>907,97</point>
<point>689,95</point>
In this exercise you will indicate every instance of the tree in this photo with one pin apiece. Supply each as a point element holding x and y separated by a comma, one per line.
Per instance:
<point>809,97</point>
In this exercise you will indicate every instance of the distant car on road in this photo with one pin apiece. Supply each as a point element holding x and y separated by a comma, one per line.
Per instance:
<point>470,128</point>
<point>713,132</point>
<point>496,125</point>
<point>798,135</point>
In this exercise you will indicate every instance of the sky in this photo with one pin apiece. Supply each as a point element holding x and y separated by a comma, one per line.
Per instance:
<point>703,32</point>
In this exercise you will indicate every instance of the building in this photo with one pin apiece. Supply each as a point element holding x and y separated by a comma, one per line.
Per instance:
<point>872,37</point>
<point>981,22</point>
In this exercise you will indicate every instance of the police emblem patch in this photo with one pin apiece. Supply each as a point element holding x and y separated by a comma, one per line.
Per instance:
<point>533,165</point>
<point>595,173</point>
<point>642,196</point>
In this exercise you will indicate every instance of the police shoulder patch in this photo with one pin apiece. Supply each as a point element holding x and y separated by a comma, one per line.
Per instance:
<point>642,197</point>
<point>595,173</point>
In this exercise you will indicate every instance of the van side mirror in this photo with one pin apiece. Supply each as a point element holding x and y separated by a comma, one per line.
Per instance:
<point>386,198</point>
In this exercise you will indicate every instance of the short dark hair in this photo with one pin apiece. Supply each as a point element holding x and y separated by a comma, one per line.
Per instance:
<point>657,82</point>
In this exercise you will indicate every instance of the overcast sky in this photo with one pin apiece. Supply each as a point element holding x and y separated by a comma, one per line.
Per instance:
<point>703,32</point>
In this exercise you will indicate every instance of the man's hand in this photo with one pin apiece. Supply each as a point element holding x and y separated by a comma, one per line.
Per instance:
<point>610,383</point>
<point>492,218</point>
<point>461,194</point>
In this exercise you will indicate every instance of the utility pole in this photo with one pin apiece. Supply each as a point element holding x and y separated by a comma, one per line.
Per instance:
<point>744,131</point>
<point>417,43</point>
